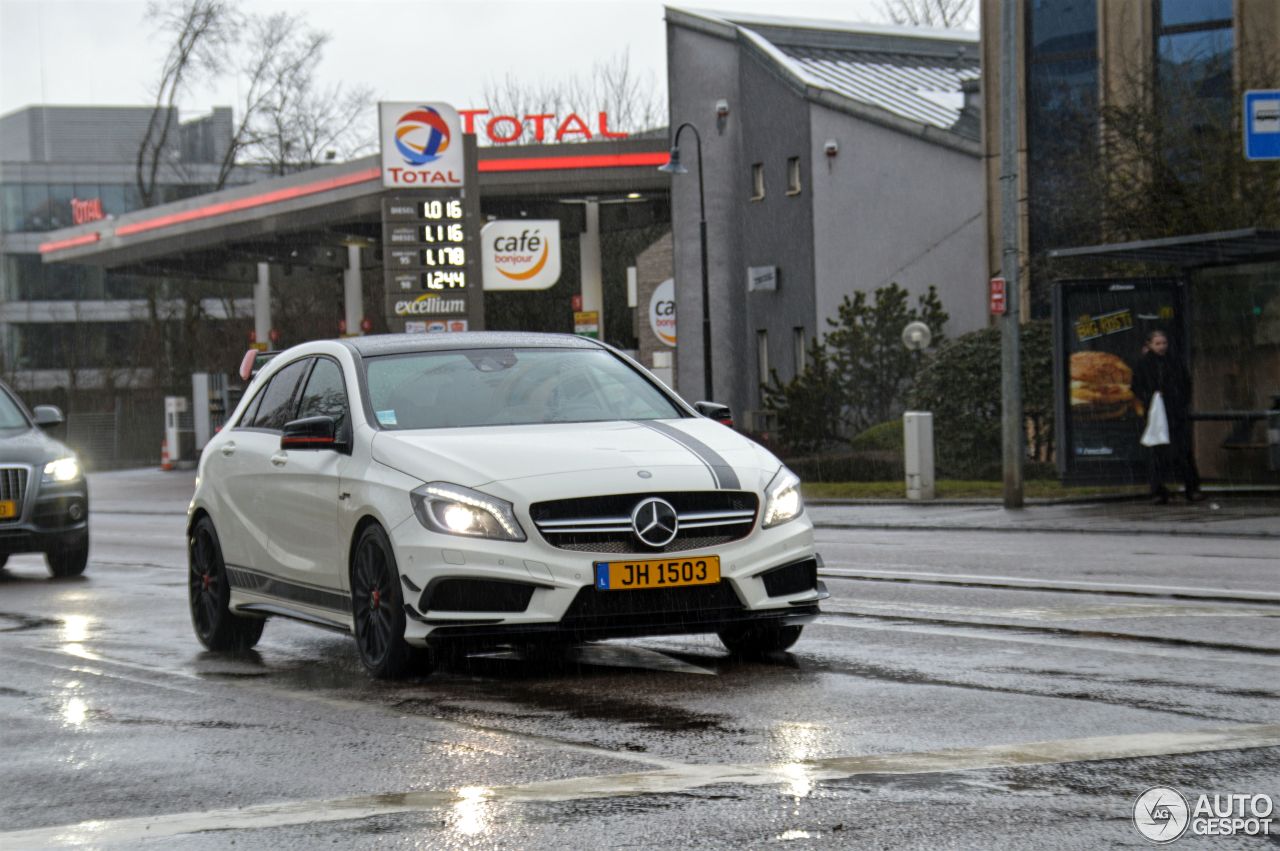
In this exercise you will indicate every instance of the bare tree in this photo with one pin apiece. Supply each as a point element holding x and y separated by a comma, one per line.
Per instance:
<point>944,14</point>
<point>288,120</point>
<point>202,33</point>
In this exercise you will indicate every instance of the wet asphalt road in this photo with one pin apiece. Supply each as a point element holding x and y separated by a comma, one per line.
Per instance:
<point>964,689</point>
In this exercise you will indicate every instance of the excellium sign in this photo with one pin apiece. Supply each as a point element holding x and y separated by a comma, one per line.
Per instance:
<point>421,146</point>
<point>520,254</point>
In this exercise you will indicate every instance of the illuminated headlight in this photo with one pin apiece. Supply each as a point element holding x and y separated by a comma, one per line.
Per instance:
<point>782,501</point>
<point>61,470</point>
<point>455,510</point>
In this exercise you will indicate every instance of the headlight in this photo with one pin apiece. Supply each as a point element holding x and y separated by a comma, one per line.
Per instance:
<point>782,501</point>
<point>455,510</point>
<point>62,470</point>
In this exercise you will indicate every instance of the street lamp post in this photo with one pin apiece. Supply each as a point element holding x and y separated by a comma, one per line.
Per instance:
<point>673,166</point>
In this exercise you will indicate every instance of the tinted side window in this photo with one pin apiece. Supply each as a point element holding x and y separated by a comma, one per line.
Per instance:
<point>278,398</point>
<point>246,420</point>
<point>326,394</point>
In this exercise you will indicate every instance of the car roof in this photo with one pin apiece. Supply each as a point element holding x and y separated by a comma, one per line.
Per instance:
<point>398,344</point>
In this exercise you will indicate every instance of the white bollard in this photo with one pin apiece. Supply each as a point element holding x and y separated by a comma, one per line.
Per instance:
<point>917,445</point>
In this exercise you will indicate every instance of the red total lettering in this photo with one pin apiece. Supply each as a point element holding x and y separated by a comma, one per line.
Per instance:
<point>539,125</point>
<point>491,129</point>
<point>572,125</point>
<point>469,118</point>
<point>603,124</point>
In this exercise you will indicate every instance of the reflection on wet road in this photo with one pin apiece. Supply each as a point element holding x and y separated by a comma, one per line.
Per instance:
<point>949,701</point>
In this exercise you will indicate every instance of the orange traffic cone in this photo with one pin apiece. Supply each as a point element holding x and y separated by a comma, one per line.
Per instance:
<point>165,463</point>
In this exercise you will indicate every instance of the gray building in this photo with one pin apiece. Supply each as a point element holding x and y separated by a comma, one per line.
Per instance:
<point>836,160</point>
<point>66,165</point>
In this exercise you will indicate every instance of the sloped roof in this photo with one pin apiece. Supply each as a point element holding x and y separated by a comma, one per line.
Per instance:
<point>914,74</point>
<point>921,88</point>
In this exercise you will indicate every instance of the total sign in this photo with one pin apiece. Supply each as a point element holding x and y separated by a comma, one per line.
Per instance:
<point>421,145</point>
<point>662,312</point>
<point>520,254</point>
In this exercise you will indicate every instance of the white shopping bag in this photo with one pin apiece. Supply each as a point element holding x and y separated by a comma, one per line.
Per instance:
<point>1157,433</point>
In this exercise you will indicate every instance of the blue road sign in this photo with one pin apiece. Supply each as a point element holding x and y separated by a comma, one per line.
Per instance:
<point>1262,124</point>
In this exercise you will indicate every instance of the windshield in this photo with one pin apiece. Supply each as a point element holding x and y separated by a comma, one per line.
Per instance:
<point>480,387</point>
<point>11,415</point>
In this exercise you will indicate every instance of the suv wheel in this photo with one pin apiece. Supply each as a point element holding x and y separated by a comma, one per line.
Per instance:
<point>68,559</point>
<point>210,595</point>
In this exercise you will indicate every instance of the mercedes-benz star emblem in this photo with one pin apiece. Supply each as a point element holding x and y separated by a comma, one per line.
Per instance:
<point>655,522</point>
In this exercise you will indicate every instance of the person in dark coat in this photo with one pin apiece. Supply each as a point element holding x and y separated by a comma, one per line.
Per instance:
<point>1159,371</point>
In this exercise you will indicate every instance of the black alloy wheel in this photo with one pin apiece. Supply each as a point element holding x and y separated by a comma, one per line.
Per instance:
<point>756,640</point>
<point>210,595</point>
<point>377,608</point>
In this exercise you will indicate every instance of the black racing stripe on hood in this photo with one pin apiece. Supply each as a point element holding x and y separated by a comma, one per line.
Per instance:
<point>721,471</point>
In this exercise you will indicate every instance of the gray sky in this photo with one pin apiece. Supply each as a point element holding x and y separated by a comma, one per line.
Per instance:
<point>103,52</point>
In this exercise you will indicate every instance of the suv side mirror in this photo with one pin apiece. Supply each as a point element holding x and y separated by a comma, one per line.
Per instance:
<point>48,416</point>
<point>312,433</point>
<point>715,411</point>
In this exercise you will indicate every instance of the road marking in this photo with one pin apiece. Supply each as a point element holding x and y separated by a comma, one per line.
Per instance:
<point>798,778</point>
<point>1123,611</point>
<point>976,632</point>
<point>1014,582</point>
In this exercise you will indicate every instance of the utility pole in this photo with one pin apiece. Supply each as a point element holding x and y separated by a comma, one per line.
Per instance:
<point>1012,429</point>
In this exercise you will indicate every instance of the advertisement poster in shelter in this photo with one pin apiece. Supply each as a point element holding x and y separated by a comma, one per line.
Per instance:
<point>1099,330</point>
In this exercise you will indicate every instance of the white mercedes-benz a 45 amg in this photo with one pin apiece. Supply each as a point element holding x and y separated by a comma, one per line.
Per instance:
<point>487,488</point>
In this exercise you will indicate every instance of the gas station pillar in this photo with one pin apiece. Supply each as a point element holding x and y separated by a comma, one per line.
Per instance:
<point>262,306</point>
<point>592,267</point>
<point>353,292</point>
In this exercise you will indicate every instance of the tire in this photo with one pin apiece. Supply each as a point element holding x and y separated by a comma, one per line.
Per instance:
<point>69,559</point>
<point>209,594</point>
<point>377,610</point>
<point>4,559</point>
<point>757,640</point>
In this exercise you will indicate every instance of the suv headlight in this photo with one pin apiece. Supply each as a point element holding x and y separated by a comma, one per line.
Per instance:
<point>455,510</point>
<point>62,470</point>
<point>782,500</point>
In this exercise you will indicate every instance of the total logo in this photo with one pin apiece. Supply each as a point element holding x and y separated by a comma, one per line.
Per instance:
<point>520,254</point>
<point>422,136</point>
<point>421,145</point>
<point>430,303</point>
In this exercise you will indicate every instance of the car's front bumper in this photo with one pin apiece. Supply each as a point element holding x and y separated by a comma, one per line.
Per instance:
<point>45,522</point>
<point>555,597</point>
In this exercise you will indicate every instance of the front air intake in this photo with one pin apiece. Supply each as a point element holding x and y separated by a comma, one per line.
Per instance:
<point>475,595</point>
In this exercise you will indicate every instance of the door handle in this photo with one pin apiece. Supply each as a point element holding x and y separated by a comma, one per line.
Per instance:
<point>280,459</point>
<point>228,449</point>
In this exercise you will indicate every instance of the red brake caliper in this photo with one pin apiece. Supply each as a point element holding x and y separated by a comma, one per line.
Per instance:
<point>207,579</point>
<point>377,597</point>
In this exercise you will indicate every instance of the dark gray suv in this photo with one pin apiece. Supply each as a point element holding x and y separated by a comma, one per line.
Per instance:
<point>44,500</point>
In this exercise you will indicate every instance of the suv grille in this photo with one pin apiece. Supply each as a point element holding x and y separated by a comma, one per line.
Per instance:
<point>13,486</point>
<point>602,524</point>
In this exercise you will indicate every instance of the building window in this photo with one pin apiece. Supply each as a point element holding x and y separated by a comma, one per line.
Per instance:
<point>757,181</point>
<point>762,357</point>
<point>1195,42</point>
<point>797,342</point>
<point>793,175</point>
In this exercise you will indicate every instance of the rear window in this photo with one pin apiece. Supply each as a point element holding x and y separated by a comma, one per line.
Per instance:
<point>480,387</point>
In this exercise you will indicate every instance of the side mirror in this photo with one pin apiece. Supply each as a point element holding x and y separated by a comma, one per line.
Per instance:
<point>311,433</point>
<point>715,411</point>
<point>48,416</point>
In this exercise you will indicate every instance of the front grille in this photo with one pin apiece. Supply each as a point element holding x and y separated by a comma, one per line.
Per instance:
<point>651,607</point>
<point>602,524</point>
<point>13,486</point>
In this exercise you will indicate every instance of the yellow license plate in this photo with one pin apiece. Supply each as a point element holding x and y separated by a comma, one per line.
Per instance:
<point>8,509</point>
<point>657,573</point>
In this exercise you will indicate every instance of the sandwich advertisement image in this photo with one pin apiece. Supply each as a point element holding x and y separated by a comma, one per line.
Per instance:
<point>1099,331</point>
